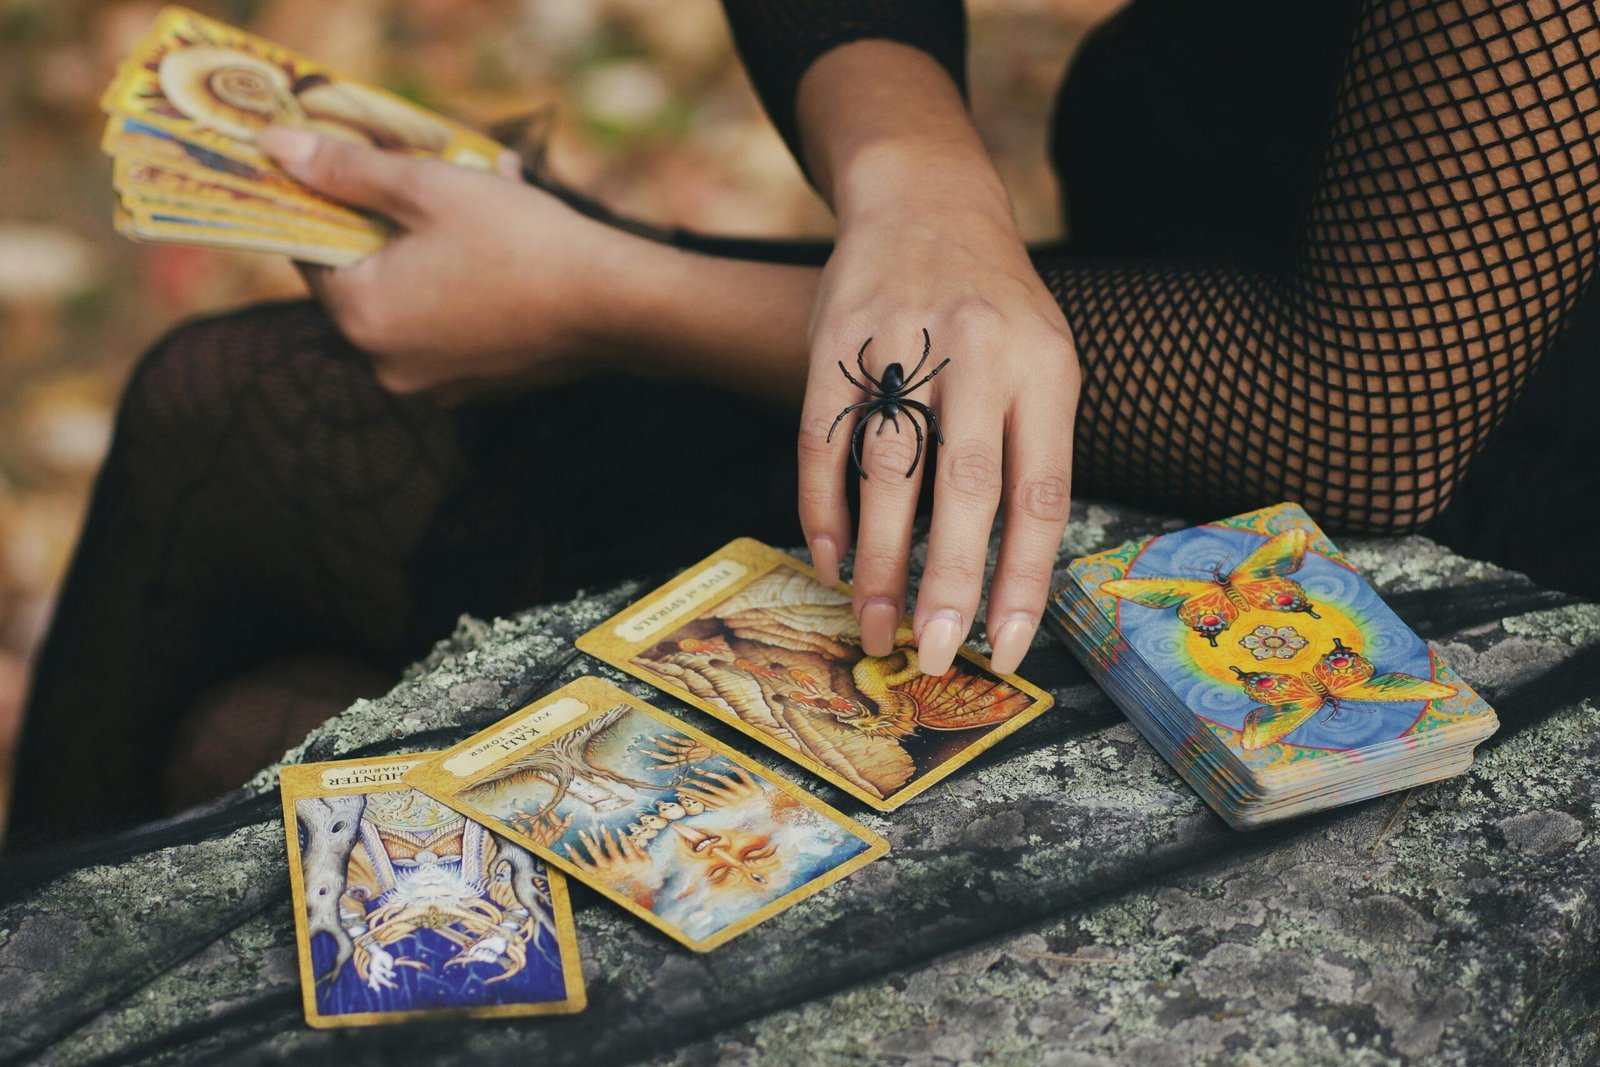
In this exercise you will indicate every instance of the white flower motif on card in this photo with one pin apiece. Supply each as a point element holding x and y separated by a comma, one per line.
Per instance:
<point>1273,642</point>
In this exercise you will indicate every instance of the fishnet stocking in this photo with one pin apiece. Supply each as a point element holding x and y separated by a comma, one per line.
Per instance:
<point>1446,236</point>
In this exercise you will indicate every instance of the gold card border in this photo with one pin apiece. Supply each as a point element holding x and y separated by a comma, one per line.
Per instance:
<point>598,696</point>
<point>304,781</point>
<point>759,559</point>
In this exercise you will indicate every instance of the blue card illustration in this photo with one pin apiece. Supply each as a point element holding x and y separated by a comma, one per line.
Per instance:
<point>405,909</point>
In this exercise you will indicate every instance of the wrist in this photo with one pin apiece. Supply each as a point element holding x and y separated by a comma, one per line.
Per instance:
<point>879,118</point>
<point>921,175</point>
<point>626,282</point>
<point>681,314</point>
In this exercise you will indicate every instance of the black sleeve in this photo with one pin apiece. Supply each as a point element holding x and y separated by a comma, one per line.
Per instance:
<point>780,39</point>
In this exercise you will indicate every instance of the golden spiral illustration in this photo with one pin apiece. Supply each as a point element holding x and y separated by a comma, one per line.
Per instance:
<point>228,90</point>
<point>244,88</point>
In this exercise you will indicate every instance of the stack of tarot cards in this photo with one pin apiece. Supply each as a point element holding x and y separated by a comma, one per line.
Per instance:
<point>432,884</point>
<point>1265,669</point>
<point>185,109</point>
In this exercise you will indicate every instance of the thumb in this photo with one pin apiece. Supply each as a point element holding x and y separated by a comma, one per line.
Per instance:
<point>356,174</point>
<point>509,165</point>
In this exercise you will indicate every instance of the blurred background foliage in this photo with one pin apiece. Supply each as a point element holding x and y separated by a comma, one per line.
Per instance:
<point>652,114</point>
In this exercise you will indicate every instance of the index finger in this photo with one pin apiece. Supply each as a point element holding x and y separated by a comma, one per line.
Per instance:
<point>825,414</point>
<point>1038,499</point>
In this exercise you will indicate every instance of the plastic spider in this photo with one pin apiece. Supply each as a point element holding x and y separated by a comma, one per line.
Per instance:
<point>887,398</point>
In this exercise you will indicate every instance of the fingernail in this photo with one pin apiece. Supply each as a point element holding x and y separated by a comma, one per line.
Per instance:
<point>1011,642</point>
<point>290,146</point>
<point>879,616</point>
<point>941,636</point>
<point>825,559</point>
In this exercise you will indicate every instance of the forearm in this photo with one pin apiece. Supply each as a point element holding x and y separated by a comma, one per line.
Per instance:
<point>729,323</point>
<point>878,118</point>
<point>875,115</point>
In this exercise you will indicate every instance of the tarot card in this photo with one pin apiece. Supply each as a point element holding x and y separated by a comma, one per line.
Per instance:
<point>219,87</point>
<point>309,246</point>
<point>750,636</point>
<point>405,909</point>
<point>1275,644</point>
<point>155,183</point>
<point>133,140</point>
<point>656,816</point>
<point>146,209</point>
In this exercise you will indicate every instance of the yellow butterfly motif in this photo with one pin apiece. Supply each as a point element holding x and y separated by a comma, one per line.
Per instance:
<point>1210,606</point>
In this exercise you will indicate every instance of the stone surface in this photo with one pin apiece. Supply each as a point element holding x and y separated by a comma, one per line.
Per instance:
<point>1065,899</point>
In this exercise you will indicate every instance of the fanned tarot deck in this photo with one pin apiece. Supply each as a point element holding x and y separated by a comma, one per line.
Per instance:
<point>185,110</point>
<point>1264,668</point>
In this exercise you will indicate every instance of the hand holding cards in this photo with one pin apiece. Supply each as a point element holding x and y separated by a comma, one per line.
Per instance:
<point>185,111</point>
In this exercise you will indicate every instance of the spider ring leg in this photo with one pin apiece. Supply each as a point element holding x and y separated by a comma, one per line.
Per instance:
<point>862,363</point>
<point>931,375</point>
<point>927,413</point>
<point>842,414</point>
<point>856,437</point>
<point>851,378</point>
<point>927,345</point>
<point>887,417</point>
<point>912,419</point>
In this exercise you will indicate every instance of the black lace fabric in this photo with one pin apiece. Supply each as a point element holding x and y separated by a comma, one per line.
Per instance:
<point>1338,311</point>
<point>266,502</point>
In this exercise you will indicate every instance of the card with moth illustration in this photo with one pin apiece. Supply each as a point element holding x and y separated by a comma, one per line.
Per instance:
<point>750,636</point>
<point>656,816</point>
<point>404,909</point>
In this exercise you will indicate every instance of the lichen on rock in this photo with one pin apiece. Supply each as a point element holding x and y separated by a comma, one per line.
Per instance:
<point>1065,898</point>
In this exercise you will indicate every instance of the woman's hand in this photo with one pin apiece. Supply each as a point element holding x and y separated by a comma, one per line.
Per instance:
<point>488,283</point>
<point>926,241</point>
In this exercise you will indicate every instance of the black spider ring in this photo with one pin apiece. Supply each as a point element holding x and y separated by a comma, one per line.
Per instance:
<point>887,399</point>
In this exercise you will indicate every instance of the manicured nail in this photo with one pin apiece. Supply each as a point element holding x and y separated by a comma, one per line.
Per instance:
<point>879,617</point>
<point>291,146</point>
<point>941,636</point>
<point>825,559</point>
<point>1011,642</point>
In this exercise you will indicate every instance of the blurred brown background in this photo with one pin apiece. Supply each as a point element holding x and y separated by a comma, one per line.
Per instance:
<point>653,115</point>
